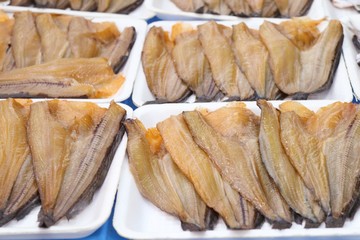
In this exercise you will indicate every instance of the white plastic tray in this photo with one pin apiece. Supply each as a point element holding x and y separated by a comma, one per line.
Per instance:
<point>137,218</point>
<point>87,221</point>
<point>339,90</point>
<point>129,70</point>
<point>350,52</point>
<point>167,10</point>
<point>140,13</point>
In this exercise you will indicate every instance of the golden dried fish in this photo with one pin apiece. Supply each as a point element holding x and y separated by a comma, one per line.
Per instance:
<point>24,194</point>
<point>62,4</point>
<point>217,7</point>
<point>239,8</point>
<point>79,77</point>
<point>118,51</point>
<point>193,67</point>
<point>90,156</point>
<point>160,181</point>
<point>305,153</point>
<point>197,6</point>
<point>81,40</point>
<point>20,2</point>
<point>293,8</point>
<point>124,6</point>
<point>227,75</point>
<point>197,166</point>
<point>240,124</point>
<point>256,6</point>
<point>71,154</point>
<point>54,43</point>
<point>278,165</point>
<point>270,9</point>
<point>75,4</point>
<point>103,5</point>
<point>253,59</point>
<point>294,70</point>
<point>25,40</point>
<point>14,147</point>
<point>230,157</point>
<point>6,27</point>
<point>89,5</point>
<point>159,69</point>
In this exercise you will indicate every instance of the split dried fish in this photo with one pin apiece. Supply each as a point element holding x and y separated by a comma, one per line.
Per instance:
<point>79,77</point>
<point>294,70</point>
<point>71,153</point>
<point>197,166</point>
<point>278,165</point>
<point>193,67</point>
<point>293,8</point>
<point>161,181</point>
<point>161,77</point>
<point>227,75</point>
<point>197,6</point>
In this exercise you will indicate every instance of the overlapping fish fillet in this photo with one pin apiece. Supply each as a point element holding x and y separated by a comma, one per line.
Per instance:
<point>279,167</point>
<point>197,166</point>
<point>253,58</point>
<point>218,50</point>
<point>190,5</point>
<point>160,180</point>
<point>293,8</point>
<point>159,69</point>
<point>193,67</point>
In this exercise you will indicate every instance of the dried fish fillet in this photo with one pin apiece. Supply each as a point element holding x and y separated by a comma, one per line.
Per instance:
<point>118,51</point>
<point>239,7</point>
<point>21,2</point>
<point>238,123</point>
<point>227,75</point>
<point>305,153</point>
<point>256,6</point>
<point>75,4</point>
<point>89,5</point>
<point>295,71</point>
<point>217,7</point>
<point>25,40</point>
<point>278,165</point>
<point>253,59</point>
<point>6,27</point>
<point>124,6</point>
<point>79,77</point>
<point>14,146</point>
<point>270,9</point>
<point>54,43</point>
<point>193,67</point>
<point>24,194</point>
<point>197,166</point>
<point>293,8</point>
<point>161,181</point>
<point>91,153</point>
<point>230,157</point>
<point>159,69</point>
<point>197,6</point>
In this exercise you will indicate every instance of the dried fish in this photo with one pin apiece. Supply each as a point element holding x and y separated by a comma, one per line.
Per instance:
<point>193,67</point>
<point>239,8</point>
<point>197,6</point>
<point>54,43</point>
<point>217,7</point>
<point>124,6</point>
<point>25,40</point>
<point>6,26</point>
<point>75,4</point>
<point>253,58</point>
<point>293,8</point>
<point>233,159</point>
<point>227,75</point>
<point>161,181</point>
<point>197,166</point>
<point>256,6</point>
<point>79,77</point>
<point>278,165</point>
<point>21,2</point>
<point>294,70</point>
<point>159,69</point>
<point>118,51</point>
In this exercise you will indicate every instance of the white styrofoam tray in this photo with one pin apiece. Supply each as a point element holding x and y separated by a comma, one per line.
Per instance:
<point>88,220</point>
<point>167,10</point>
<point>140,13</point>
<point>339,90</point>
<point>350,52</point>
<point>137,218</point>
<point>129,70</point>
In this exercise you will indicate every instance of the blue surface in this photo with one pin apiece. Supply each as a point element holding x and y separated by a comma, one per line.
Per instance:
<point>107,231</point>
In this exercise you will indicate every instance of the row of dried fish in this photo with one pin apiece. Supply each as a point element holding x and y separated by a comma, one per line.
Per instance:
<point>110,6</point>
<point>29,39</point>
<point>291,58</point>
<point>54,152</point>
<point>247,8</point>
<point>290,164</point>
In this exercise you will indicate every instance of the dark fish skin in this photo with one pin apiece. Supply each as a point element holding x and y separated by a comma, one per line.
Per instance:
<point>125,9</point>
<point>118,51</point>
